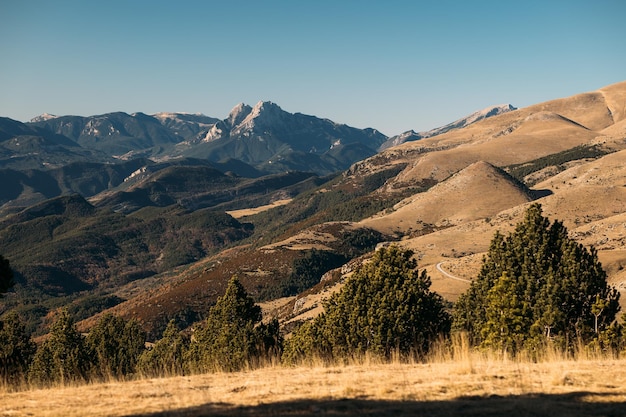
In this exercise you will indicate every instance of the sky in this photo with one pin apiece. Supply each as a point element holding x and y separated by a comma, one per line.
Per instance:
<point>390,65</point>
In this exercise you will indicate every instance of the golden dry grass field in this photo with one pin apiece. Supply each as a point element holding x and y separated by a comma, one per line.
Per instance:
<point>469,385</point>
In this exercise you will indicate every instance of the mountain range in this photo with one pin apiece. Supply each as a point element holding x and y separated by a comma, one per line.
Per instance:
<point>57,155</point>
<point>149,216</point>
<point>264,136</point>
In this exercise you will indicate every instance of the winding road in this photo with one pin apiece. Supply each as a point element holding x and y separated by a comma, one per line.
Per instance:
<point>447,274</point>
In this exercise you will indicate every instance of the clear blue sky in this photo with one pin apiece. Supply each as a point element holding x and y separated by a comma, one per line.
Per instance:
<point>391,65</point>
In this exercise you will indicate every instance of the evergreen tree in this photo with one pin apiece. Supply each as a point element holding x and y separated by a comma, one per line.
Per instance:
<point>386,306</point>
<point>62,356</point>
<point>167,355</point>
<point>6,275</point>
<point>232,335</point>
<point>16,349</point>
<point>535,285</point>
<point>115,345</point>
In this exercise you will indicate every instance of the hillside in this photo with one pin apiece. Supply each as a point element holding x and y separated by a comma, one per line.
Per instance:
<point>450,226</point>
<point>442,196</point>
<point>454,201</point>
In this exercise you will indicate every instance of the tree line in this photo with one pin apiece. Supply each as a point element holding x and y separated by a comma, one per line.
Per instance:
<point>537,287</point>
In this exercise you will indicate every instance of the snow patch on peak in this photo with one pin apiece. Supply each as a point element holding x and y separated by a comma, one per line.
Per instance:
<point>43,117</point>
<point>165,115</point>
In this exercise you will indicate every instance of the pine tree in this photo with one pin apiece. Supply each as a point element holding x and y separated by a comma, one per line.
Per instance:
<point>167,355</point>
<point>547,283</point>
<point>232,336</point>
<point>385,307</point>
<point>16,349</point>
<point>63,356</point>
<point>115,345</point>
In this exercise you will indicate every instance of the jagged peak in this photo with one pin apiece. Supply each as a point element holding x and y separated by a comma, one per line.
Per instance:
<point>265,106</point>
<point>262,114</point>
<point>238,114</point>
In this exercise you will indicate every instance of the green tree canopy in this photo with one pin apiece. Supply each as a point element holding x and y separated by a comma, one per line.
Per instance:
<point>536,284</point>
<point>114,345</point>
<point>16,348</point>
<point>232,335</point>
<point>62,356</point>
<point>386,306</point>
<point>167,355</point>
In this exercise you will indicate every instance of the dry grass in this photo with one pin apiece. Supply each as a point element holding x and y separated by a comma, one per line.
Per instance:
<point>237,214</point>
<point>453,382</point>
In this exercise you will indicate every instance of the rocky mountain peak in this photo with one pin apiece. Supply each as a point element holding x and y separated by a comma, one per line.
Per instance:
<point>264,113</point>
<point>238,114</point>
<point>266,110</point>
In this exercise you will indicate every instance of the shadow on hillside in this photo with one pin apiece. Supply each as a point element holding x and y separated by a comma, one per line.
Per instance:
<point>537,194</point>
<point>553,405</point>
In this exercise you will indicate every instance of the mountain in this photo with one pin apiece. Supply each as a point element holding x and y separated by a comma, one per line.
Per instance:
<point>458,124</point>
<point>443,196</point>
<point>195,187</point>
<point>43,117</point>
<point>28,187</point>
<point>118,134</point>
<point>264,136</point>
<point>185,125</point>
<point>24,146</point>
<point>24,188</point>
<point>272,139</point>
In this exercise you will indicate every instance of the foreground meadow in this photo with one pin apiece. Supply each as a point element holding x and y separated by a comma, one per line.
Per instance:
<point>472,385</point>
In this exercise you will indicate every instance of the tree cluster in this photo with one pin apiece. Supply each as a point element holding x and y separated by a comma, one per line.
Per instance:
<point>385,307</point>
<point>536,285</point>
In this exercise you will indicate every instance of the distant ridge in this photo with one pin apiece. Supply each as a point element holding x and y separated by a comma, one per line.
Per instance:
<point>458,124</point>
